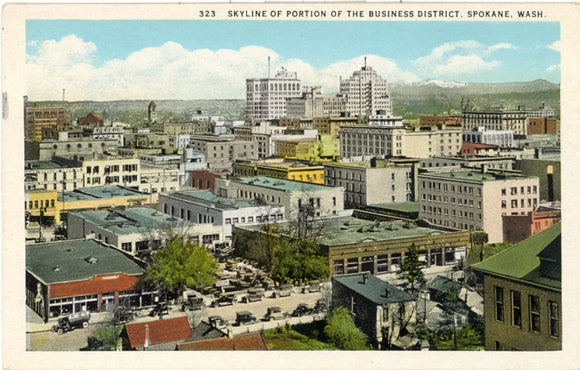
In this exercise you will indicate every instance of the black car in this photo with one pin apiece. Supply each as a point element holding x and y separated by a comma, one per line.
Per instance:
<point>245,318</point>
<point>302,310</point>
<point>223,300</point>
<point>68,323</point>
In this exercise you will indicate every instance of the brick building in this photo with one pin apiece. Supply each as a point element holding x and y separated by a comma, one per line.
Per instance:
<point>523,295</point>
<point>519,227</point>
<point>81,275</point>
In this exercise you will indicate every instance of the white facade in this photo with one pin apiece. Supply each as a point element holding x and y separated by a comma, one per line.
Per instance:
<point>266,97</point>
<point>179,141</point>
<point>109,133</point>
<point>203,207</point>
<point>501,138</point>
<point>366,93</point>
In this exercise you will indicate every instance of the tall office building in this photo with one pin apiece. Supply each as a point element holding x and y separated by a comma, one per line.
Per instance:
<point>266,97</point>
<point>366,93</point>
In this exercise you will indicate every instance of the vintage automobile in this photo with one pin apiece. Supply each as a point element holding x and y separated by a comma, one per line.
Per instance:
<point>320,306</point>
<point>254,295</point>
<point>275,313</point>
<point>217,321</point>
<point>283,291</point>
<point>68,323</point>
<point>123,315</point>
<point>313,287</point>
<point>224,300</point>
<point>245,318</point>
<point>160,309</point>
<point>192,303</point>
<point>302,310</point>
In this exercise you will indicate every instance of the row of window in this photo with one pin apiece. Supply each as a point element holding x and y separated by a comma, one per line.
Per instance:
<point>454,213</point>
<point>533,312</point>
<point>531,203</point>
<point>461,189</point>
<point>523,190</point>
<point>39,204</point>
<point>265,218</point>
<point>452,200</point>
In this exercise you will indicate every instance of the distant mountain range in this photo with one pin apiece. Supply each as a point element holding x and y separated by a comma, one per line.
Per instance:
<point>410,100</point>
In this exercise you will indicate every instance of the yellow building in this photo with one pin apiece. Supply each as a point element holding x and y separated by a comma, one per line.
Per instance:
<point>281,169</point>
<point>45,202</point>
<point>50,201</point>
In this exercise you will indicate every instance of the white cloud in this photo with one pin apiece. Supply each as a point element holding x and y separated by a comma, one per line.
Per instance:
<point>454,59</point>
<point>170,71</point>
<point>556,46</point>
<point>552,68</point>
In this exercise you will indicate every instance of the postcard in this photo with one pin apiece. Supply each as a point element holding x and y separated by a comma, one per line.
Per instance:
<point>274,185</point>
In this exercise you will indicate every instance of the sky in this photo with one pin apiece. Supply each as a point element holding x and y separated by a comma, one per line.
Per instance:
<point>193,59</point>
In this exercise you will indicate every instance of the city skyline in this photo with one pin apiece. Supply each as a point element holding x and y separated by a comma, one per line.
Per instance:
<point>138,59</point>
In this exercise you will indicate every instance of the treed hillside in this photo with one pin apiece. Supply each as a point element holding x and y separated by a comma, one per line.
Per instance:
<point>409,101</point>
<point>413,100</point>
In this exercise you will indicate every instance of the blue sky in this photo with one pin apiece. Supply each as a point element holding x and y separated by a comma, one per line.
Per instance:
<point>192,59</point>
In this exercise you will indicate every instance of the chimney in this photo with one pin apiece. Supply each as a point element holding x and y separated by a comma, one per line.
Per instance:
<point>364,278</point>
<point>386,292</point>
<point>146,344</point>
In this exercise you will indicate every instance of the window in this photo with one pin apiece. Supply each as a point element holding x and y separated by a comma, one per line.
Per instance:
<point>514,190</point>
<point>534,307</point>
<point>498,303</point>
<point>516,309</point>
<point>127,247</point>
<point>250,219</point>
<point>514,203</point>
<point>553,311</point>
<point>228,221</point>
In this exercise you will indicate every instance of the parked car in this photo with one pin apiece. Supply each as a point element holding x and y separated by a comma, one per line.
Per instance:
<point>320,306</point>
<point>283,291</point>
<point>224,300</point>
<point>217,321</point>
<point>302,310</point>
<point>245,318</point>
<point>313,287</point>
<point>275,313</point>
<point>160,309</point>
<point>68,323</point>
<point>123,315</point>
<point>192,303</point>
<point>254,294</point>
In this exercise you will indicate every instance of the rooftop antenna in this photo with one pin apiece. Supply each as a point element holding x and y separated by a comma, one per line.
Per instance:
<point>63,94</point>
<point>365,62</point>
<point>268,67</point>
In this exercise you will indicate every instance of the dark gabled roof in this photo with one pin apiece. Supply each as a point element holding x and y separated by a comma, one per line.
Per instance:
<point>442,284</point>
<point>160,331</point>
<point>372,288</point>
<point>205,331</point>
<point>77,260</point>
<point>522,261</point>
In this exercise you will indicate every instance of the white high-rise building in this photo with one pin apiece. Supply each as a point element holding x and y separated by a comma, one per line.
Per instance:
<point>266,97</point>
<point>366,93</point>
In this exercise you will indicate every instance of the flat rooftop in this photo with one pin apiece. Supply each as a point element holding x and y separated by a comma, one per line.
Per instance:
<point>281,184</point>
<point>45,165</point>
<point>76,260</point>
<point>351,230</point>
<point>208,198</point>
<point>105,192</point>
<point>477,176</point>
<point>408,207</point>
<point>127,221</point>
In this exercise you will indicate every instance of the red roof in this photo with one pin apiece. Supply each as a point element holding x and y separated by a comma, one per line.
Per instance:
<point>246,341</point>
<point>160,331</point>
<point>471,148</point>
<point>90,119</point>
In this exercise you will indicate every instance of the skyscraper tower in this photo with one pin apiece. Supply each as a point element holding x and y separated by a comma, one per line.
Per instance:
<point>366,93</point>
<point>266,97</point>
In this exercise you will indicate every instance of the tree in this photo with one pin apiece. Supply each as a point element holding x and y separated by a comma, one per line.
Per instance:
<point>411,267</point>
<point>342,331</point>
<point>105,338</point>
<point>182,264</point>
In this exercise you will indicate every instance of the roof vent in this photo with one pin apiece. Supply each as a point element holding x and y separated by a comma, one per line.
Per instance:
<point>56,269</point>
<point>91,259</point>
<point>70,249</point>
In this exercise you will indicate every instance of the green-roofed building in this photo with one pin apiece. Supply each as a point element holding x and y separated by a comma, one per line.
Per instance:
<point>383,312</point>
<point>81,275</point>
<point>136,230</point>
<point>523,294</point>
<point>294,196</point>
